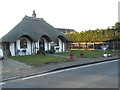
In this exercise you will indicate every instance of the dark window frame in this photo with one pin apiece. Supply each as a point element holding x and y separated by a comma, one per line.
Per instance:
<point>23,43</point>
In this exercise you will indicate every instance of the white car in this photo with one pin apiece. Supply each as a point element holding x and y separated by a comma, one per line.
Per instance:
<point>1,54</point>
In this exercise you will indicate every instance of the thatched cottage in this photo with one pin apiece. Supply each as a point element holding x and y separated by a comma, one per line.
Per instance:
<point>33,34</point>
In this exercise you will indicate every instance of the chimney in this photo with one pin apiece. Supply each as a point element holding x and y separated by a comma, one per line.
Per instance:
<point>33,15</point>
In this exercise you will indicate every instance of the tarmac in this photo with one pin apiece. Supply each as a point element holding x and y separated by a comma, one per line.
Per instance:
<point>12,69</point>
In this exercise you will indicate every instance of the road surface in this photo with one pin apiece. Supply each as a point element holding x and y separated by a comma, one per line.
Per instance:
<point>100,75</point>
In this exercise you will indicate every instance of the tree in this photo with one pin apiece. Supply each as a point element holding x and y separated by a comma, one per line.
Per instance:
<point>97,35</point>
<point>117,26</point>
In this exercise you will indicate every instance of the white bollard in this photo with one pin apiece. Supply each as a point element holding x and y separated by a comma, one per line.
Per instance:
<point>105,55</point>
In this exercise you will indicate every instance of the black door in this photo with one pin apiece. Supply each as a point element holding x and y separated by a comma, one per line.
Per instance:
<point>41,45</point>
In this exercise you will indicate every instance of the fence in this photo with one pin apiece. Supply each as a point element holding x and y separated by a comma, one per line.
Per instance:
<point>113,45</point>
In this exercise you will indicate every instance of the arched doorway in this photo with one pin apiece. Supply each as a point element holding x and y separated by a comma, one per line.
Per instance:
<point>60,45</point>
<point>41,45</point>
<point>44,43</point>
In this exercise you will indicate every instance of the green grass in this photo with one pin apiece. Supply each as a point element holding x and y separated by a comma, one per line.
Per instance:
<point>37,60</point>
<point>88,53</point>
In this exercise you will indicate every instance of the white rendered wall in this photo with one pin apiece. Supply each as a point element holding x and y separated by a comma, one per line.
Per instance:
<point>36,47</point>
<point>32,47</point>
<point>18,44</point>
<point>60,45</point>
<point>12,49</point>
<point>46,45</point>
<point>28,46</point>
<point>63,47</point>
<point>49,46</point>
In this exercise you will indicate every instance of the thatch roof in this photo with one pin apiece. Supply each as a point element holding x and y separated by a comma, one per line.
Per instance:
<point>65,30</point>
<point>34,28</point>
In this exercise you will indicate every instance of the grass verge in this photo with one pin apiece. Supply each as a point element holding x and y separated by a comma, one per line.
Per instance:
<point>37,60</point>
<point>89,53</point>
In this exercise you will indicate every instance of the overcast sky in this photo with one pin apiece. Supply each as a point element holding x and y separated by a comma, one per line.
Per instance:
<point>72,14</point>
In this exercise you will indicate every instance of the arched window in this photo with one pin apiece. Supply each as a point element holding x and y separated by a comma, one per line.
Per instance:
<point>41,45</point>
<point>56,42</point>
<point>23,43</point>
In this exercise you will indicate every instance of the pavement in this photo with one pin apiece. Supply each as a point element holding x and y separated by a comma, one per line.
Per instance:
<point>12,69</point>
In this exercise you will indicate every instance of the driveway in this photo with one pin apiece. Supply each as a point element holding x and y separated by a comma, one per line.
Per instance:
<point>9,65</point>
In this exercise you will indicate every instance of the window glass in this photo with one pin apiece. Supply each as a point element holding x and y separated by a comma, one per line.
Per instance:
<point>23,43</point>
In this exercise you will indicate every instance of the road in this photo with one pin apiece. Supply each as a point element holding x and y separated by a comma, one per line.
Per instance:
<point>100,75</point>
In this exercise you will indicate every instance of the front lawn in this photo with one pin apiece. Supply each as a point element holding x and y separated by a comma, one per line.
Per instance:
<point>36,60</point>
<point>88,53</point>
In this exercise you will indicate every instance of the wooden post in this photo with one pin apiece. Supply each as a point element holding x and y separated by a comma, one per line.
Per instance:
<point>93,45</point>
<point>79,45</point>
<point>113,46</point>
<point>86,45</point>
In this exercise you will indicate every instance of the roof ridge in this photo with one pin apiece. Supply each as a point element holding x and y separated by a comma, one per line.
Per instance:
<point>32,18</point>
